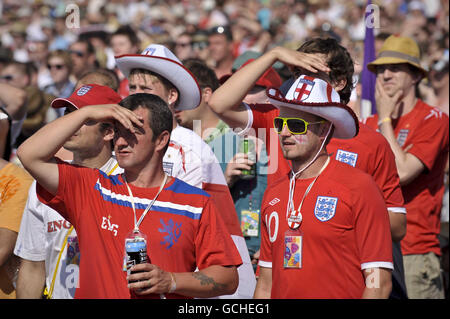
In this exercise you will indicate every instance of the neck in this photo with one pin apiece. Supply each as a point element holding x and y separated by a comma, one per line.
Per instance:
<point>148,178</point>
<point>312,170</point>
<point>96,161</point>
<point>59,85</point>
<point>406,104</point>
<point>208,121</point>
<point>443,94</point>
<point>224,67</point>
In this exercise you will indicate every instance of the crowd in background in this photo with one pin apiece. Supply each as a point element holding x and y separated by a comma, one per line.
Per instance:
<point>43,50</point>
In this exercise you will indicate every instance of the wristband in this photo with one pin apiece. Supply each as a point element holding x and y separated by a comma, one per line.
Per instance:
<point>384,120</point>
<point>173,285</point>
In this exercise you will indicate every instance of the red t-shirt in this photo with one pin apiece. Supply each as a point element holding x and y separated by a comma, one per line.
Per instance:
<point>184,229</point>
<point>423,132</point>
<point>345,229</point>
<point>261,118</point>
<point>371,152</point>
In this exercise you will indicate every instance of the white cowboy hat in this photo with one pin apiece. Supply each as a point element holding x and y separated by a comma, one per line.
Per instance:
<point>157,58</point>
<point>315,96</point>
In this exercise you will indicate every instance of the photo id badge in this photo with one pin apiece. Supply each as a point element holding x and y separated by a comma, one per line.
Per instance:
<point>293,244</point>
<point>249,223</point>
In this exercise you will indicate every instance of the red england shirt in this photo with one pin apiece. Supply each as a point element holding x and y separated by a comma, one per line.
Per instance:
<point>371,152</point>
<point>424,133</point>
<point>184,229</point>
<point>345,230</point>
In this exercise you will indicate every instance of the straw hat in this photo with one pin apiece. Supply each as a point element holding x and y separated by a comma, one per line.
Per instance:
<point>396,50</point>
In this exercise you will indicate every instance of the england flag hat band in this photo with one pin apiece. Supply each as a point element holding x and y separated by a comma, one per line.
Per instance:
<point>316,96</point>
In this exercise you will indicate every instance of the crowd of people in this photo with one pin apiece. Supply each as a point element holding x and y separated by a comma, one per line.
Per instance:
<point>228,136</point>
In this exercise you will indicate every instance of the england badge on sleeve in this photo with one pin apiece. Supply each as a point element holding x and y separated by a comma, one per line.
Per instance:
<point>325,208</point>
<point>347,157</point>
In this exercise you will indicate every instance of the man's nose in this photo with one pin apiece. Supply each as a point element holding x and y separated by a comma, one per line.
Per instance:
<point>285,131</point>
<point>120,140</point>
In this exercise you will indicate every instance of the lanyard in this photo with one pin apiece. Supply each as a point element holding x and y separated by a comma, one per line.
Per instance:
<point>295,217</point>
<point>137,223</point>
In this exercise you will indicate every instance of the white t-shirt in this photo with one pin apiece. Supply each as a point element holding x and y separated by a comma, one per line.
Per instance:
<point>41,237</point>
<point>190,159</point>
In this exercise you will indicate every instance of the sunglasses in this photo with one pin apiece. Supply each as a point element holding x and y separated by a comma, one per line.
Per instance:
<point>78,53</point>
<point>183,45</point>
<point>56,66</point>
<point>6,78</point>
<point>294,125</point>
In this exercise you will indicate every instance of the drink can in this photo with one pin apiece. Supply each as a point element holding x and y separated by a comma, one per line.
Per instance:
<point>248,147</point>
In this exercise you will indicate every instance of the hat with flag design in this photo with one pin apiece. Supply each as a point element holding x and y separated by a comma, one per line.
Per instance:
<point>89,94</point>
<point>159,59</point>
<point>316,96</point>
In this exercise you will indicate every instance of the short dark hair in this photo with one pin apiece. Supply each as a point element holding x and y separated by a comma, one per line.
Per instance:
<point>206,77</point>
<point>127,31</point>
<point>160,116</point>
<point>165,82</point>
<point>338,59</point>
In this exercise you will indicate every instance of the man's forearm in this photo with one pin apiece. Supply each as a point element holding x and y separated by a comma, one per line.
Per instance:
<point>233,91</point>
<point>378,283</point>
<point>37,152</point>
<point>408,166</point>
<point>44,144</point>
<point>264,284</point>
<point>31,279</point>
<point>210,282</point>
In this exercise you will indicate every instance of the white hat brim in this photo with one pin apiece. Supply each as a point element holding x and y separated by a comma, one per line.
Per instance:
<point>176,73</point>
<point>345,121</point>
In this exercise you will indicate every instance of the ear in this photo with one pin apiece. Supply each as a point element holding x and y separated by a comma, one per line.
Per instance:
<point>206,94</point>
<point>108,133</point>
<point>324,129</point>
<point>91,58</point>
<point>172,96</point>
<point>417,77</point>
<point>338,85</point>
<point>162,141</point>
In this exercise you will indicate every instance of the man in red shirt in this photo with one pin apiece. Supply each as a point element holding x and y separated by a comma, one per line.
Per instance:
<point>325,228</point>
<point>182,229</point>
<point>419,137</point>
<point>312,56</point>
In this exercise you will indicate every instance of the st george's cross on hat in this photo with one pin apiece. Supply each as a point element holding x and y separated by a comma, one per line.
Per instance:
<point>160,60</point>
<point>89,94</point>
<point>316,96</point>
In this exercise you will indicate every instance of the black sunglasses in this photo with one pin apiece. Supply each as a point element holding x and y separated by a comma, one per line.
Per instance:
<point>78,53</point>
<point>183,44</point>
<point>56,66</point>
<point>7,77</point>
